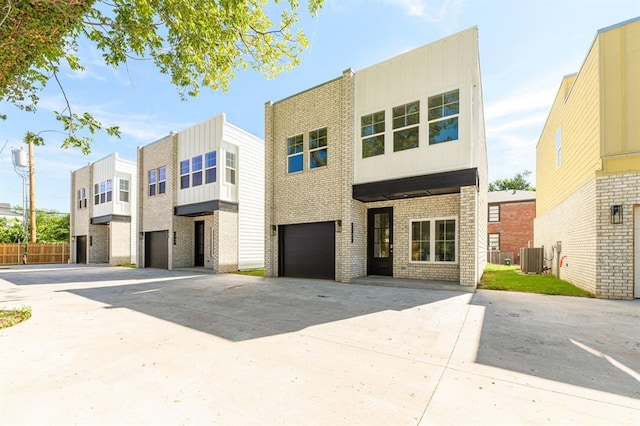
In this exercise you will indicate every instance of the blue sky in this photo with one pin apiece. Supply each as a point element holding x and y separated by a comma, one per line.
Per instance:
<point>526,47</point>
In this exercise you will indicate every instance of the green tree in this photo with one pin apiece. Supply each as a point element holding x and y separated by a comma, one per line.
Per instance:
<point>198,43</point>
<point>518,182</point>
<point>12,230</point>
<point>52,226</point>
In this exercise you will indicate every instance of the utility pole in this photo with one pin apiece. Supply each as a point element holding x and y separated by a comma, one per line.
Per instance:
<point>32,196</point>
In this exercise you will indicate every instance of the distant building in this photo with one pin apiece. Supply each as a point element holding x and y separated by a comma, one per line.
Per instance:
<point>103,205</point>
<point>510,227</point>
<point>6,212</point>
<point>588,170</point>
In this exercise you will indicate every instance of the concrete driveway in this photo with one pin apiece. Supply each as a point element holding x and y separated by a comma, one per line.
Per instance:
<point>110,345</point>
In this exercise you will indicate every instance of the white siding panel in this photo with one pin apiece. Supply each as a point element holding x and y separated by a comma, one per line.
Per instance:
<point>432,69</point>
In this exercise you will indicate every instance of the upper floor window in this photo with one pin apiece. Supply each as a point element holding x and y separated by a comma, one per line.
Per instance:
<point>102,192</point>
<point>157,181</point>
<point>162,180</point>
<point>372,133</point>
<point>184,174</point>
<point>494,213</point>
<point>124,190</point>
<point>318,148</point>
<point>82,198</point>
<point>196,170</point>
<point>559,147</point>
<point>444,110</point>
<point>230,169</point>
<point>406,119</point>
<point>210,165</point>
<point>494,242</point>
<point>153,182</point>
<point>295,156</point>
<point>433,240</point>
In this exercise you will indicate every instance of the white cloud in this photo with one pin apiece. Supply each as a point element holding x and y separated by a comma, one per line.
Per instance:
<point>431,10</point>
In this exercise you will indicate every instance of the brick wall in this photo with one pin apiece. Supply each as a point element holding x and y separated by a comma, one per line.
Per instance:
<point>515,226</point>
<point>226,247</point>
<point>120,245</point>
<point>98,242</point>
<point>614,248</point>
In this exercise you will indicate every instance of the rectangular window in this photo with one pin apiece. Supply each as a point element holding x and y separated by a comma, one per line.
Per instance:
<point>406,119</point>
<point>372,133</point>
<point>318,148</point>
<point>124,190</point>
<point>230,169</point>
<point>82,198</point>
<point>444,110</point>
<point>109,190</point>
<point>184,174</point>
<point>210,163</point>
<point>558,147</point>
<point>162,180</point>
<point>494,213</point>
<point>103,192</point>
<point>295,156</point>
<point>79,199</point>
<point>196,170</point>
<point>152,182</point>
<point>494,242</point>
<point>433,240</point>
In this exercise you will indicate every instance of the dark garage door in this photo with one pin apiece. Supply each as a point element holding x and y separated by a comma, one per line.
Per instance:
<point>308,250</point>
<point>156,250</point>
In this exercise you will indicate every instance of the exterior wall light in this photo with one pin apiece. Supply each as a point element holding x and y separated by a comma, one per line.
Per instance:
<point>338,226</point>
<point>274,230</point>
<point>616,214</point>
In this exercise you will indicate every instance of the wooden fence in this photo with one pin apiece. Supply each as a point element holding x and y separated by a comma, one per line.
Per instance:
<point>37,253</point>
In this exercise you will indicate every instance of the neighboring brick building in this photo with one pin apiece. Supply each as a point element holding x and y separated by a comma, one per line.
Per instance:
<point>103,206</point>
<point>588,170</point>
<point>382,171</point>
<point>201,199</point>
<point>510,227</point>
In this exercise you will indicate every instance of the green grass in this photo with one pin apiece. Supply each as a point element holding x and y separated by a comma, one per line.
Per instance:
<point>509,278</point>
<point>128,265</point>
<point>11,317</point>
<point>252,272</point>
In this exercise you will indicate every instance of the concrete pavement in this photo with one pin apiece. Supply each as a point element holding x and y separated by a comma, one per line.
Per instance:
<point>110,345</point>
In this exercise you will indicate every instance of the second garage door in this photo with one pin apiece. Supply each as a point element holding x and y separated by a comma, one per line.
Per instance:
<point>156,250</point>
<point>307,250</point>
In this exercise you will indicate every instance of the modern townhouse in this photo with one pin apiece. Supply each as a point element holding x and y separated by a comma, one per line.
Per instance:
<point>201,193</point>
<point>382,171</point>
<point>588,170</point>
<point>103,207</point>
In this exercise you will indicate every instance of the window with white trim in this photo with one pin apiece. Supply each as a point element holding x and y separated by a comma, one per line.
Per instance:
<point>196,170</point>
<point>295,155</point>
<point>82,198</point>
<point>102,192</point>
<point>162,180</point>
<point>444,110</point>
<point>210,165</point>
<point>558,147</point>
<point>124,191</point>
<point>184,174</point>
<point>434,240</point>
<point>318,148</point>
<point>406,120</point>
<point>372,134</point>
<point>230,168</point>
<point>153,182</point>
<point>494,242</point>
<point>494,213</point>
<point>157,181</point>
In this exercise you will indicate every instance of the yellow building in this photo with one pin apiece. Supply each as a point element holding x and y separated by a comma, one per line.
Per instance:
<point>588,170</point>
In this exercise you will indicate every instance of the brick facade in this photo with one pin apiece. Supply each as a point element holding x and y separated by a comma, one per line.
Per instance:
<point>515,226</point>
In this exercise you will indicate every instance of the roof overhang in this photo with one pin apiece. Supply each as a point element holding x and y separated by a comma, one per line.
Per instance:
<point>107,219</point>
<point>205,208</point>
<point>416,186</point>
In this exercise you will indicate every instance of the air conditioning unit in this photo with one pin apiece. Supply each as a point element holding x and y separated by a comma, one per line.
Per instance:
<point>532,260</point>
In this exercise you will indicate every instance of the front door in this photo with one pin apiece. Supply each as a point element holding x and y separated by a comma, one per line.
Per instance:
<point>81,249</point>
<point>199,243</point>
<point>380,241</point>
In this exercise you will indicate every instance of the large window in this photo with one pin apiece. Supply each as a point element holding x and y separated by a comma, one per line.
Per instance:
<point>494,213</point>
<point>162,180</point>
<point>184,174</point>
<point>230,169</point>
<point>558,148</point>
<point>406,119</point>
<point>196,170</point>
<point>443,117</point>
<point>318,148</point>
<point>210,165</point>
<point>124,191</point>
<point>372,133</point>
<point>433,240</point>
<point>103,192</point>
<point>295,156</point>
<point>153,182</point>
